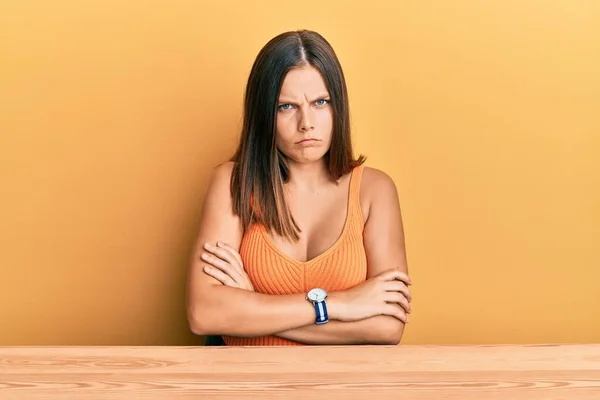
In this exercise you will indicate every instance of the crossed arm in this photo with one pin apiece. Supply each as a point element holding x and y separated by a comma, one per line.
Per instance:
<point>212,306</point>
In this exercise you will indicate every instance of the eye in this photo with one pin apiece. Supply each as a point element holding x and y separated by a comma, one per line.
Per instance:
<point>284,107</point>
<point>321,102</point>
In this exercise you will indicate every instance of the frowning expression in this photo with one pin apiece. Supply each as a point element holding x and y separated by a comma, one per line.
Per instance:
<point>304,116</point>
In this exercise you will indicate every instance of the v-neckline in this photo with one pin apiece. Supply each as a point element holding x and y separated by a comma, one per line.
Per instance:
<point>331,249</point>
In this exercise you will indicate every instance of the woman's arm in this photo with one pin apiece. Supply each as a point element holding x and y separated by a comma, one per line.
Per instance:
<point>374,330</point>
<point>385,247</point>
<point>213,308</point>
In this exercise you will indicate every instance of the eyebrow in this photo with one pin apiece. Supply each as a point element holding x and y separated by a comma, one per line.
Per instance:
<point>285,100</point>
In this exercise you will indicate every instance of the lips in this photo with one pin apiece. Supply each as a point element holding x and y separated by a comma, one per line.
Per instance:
<point>309,140</point>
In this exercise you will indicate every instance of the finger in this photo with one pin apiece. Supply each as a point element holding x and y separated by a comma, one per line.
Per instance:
<point>396,312</point>
<point>220,276</point>
<point>398,298</point>
<point>233,251</point>
<point>397,286</point>
<point>224,255</point>
<point>395,274</point>
<point>224,266</point>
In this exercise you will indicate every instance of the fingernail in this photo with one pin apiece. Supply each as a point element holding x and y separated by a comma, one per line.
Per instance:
<point>207,245</point>
<point>204,256</point>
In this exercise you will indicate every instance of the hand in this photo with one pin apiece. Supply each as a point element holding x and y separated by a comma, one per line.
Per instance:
<point>384,294</point>
<point>226,266</point>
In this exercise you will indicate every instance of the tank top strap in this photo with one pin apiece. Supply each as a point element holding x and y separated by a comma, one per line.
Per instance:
<point>354,192</point>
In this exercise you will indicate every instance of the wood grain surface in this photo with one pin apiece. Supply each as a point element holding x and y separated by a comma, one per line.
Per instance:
<point>493,372</point>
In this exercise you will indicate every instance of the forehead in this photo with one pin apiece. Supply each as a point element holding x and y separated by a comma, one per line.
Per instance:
<point>303,81</point>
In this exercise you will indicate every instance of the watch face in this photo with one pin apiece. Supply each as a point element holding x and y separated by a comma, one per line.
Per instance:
<point>317,294</point>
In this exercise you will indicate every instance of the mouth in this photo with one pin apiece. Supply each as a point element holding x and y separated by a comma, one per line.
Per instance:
<point>308,140</point>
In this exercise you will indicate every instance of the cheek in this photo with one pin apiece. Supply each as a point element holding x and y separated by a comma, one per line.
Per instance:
<point>279,123</point>
<point>283,132</point>
<point>326,122</point>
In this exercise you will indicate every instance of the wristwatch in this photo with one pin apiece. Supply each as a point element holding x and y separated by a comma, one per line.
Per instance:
<point>317,296</point>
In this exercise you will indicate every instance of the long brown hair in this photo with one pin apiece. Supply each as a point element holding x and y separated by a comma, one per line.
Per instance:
<point>260,169</point>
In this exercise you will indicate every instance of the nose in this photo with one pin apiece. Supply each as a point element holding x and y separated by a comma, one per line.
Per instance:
<point>306,120</point>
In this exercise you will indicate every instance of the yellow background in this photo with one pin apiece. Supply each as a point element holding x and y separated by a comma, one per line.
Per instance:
<point>486,114</point>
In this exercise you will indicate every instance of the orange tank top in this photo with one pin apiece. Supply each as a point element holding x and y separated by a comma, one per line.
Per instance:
<point>272,272</point>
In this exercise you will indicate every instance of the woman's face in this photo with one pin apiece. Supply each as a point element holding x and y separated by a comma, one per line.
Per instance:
<point>304,116</point>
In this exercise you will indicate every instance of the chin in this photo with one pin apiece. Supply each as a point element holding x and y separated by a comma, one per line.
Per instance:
<point>309,159</point>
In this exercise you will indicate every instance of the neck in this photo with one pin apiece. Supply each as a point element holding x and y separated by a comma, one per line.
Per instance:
<point>308,176</point>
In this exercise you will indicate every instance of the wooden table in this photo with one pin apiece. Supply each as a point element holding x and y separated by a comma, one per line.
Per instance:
<point>504,372</point>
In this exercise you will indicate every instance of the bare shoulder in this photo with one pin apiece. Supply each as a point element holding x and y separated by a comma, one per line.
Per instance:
<point>222,173</point>
<point>226,166</point>
<point>219,187</point>
<point>217,213</point>
<point>377,179</point>
<point>384,231</point>
<point>377,185</point>
<point>217,221</point>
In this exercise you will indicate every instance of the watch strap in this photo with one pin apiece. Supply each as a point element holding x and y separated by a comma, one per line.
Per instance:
<point>321,310</point>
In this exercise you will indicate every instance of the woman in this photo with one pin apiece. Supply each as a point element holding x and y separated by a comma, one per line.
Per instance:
<point>299,243</point>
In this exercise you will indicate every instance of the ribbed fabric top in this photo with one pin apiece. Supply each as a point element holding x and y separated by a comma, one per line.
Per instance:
<point>271,271</point>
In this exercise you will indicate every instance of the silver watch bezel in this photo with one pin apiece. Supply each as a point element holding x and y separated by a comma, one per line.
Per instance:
<point>316,295</point>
